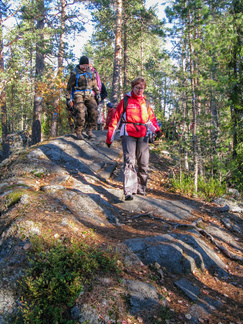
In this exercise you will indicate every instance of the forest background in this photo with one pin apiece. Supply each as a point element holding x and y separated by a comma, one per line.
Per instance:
<point>195,87</point>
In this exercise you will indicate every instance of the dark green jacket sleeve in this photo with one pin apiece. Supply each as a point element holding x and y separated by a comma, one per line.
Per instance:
<point>71,84</point>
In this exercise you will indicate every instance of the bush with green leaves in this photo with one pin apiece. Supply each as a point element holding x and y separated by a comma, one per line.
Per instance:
<point>236,167</point>
<point>57,276</point>
<point>211,188</point>
<point>207,188</point>
<point>183,185</point>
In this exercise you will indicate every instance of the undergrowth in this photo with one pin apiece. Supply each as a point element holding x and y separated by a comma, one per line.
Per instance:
<point>14,197</point>
<point>57,275</point>
<point>208,189</point>
<point>208,186</point>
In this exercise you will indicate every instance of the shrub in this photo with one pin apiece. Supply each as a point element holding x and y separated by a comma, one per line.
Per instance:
<point>183,185</point>
<point>211,188</point>
<point>236,167</point>
<point>207,188</point>
<point>56,277</point>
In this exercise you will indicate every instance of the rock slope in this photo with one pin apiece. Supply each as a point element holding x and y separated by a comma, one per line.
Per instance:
<point>182,257</point>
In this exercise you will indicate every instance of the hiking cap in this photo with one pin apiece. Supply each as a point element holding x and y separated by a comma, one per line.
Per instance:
<point>83,60</point>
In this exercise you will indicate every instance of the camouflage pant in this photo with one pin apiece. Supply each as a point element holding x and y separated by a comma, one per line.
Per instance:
<point>71,121</point>
<point>83,104</point>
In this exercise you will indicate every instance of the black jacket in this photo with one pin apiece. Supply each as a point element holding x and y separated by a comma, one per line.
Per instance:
<point>103,92</point>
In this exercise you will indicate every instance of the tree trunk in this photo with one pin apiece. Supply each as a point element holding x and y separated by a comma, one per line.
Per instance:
<point>5,143</point>
<point>184,107</point>
<point>61,47</point>
<point>141,54</point>
<point>237,65</point>
<point>36,125</point>
<point>60,66</point>
<point>194,106</point>
<point>165,94</point>
<point>197,35</point>
<point>118,55</point>
<point>125,85</point>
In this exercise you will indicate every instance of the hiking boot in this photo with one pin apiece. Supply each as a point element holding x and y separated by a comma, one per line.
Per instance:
<point>90,134</point>
<point>141,193</point>
<point>128,197</point>
<point>80,136</point>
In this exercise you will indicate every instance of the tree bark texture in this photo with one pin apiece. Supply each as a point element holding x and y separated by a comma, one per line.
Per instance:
<point>117,55</point>
<point>5,143</point>
<point>59,66</point>
<point>37,110</point>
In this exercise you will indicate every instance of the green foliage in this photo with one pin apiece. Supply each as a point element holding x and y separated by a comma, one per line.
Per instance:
<point>211,188</point>
<point>13,197</point>
<point>207,189</point>
<point>57,276</point>
<point>164,315</point>
<point>38,174</point>
<point>185,185</point>
<point>204,36</point>
<point>236,167</point>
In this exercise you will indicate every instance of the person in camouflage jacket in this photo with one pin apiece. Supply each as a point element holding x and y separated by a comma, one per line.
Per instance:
<point>83,95</point>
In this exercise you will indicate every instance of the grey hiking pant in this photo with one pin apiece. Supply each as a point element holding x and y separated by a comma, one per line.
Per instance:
<point>135,149</point>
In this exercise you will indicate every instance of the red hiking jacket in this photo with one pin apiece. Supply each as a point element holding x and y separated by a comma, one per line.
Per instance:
<point>109,117</point>
<point>136,112</point>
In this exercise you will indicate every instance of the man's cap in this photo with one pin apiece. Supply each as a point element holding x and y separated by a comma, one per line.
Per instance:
<point>83,60</point>
<point>110,105</point>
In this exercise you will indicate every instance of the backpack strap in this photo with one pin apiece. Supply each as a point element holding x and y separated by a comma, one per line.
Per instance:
<point>77,77</point>
<point>86,74</point>
<point>125,103</point>
<point>147,103</point>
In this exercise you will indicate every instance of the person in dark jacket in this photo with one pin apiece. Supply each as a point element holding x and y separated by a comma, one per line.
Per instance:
<point>101,118</point>
<point>135,123</point>
<point>80,97</point>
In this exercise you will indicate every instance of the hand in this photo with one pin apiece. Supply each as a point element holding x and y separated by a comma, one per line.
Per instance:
<point>69,103</point>
<point>109,145</point>
<point>151,138</point>
<point>98,98</point>
<point>158,134</point>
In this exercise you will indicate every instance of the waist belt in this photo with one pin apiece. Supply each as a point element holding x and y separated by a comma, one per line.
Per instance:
<point>85,91</point>
<point>140,124</point>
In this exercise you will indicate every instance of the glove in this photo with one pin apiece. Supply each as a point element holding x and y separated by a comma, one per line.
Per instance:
<point>98,98</point>
<point>109,145</point>
<point>158,134</point>
<point>151,138</point>
<point>69,103</point>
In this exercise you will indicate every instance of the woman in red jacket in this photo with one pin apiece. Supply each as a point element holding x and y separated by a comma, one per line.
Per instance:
<point>135,122</point>
<point>111,112</point>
